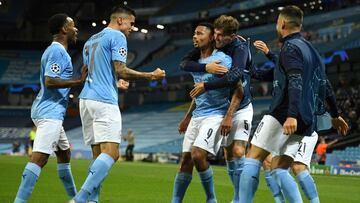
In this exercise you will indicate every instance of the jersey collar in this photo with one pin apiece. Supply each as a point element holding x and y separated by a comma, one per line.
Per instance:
<point>62,46</point>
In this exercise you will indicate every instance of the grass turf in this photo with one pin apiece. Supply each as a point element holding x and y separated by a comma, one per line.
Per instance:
<point>146,182</point>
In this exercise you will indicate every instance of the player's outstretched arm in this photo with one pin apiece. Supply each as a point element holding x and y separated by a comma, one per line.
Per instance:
<point>332,143</point>
<point>186,120</point>
<point>122,70</point>
<point>231,78</point>
<point>264,75</point>
<point>190,63</point>
<point>262,46</point>
<point>53,82</point>
<point>237,96</point>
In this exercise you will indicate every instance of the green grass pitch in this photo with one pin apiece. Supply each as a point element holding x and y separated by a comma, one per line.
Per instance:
<point>146,182</point>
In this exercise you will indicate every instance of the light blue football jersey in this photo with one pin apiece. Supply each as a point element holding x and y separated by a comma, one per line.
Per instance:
<point>212,102</point>
<point>52,103</point>
<point>98,53</point>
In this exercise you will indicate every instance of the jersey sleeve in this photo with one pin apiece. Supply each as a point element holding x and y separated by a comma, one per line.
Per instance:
<point>55,64</point>
<point>291,59</point>
<point>119,49</point>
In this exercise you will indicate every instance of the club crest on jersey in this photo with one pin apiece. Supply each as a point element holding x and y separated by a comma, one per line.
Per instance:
<point>122,51</point>
<point>55,68</point>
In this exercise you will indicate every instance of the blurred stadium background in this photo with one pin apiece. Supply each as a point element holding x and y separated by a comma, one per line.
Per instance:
<point>162,36</point>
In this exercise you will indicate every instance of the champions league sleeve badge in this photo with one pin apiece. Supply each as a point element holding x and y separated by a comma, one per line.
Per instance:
<point>55,68</point>
<point>122,51</point>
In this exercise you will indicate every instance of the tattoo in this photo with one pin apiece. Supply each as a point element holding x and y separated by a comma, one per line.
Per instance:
<point>122,70</point>
<point>236,99</point>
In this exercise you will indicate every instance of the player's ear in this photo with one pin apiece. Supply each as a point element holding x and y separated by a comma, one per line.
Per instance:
<point>211,38</point>
<point>283,24</point>
<point>120,21</point>
<point>64,29</point>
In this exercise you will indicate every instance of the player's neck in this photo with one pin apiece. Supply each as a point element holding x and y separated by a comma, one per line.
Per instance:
<point>61,40</point>
<point>289,32</point>
<point>114,26</point>
<point>206,51</point>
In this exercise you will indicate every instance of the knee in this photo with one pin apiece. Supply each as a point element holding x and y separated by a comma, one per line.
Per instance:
<point>115,156</point>
<point>298,168</point>
<point>63,156</point>
<point>67,156</point>
<point>238,151</point>
<point>111,150</point>
<point>186,163</point>
<point>257,153</point>
<point>40,160</point>
<point>266,165</point>
<point>282,161</point>
<point>197,155</point>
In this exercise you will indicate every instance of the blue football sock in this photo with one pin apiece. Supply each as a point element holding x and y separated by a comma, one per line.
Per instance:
<point>64,172</point>
<point>307,184</point>
<point>207,181</point>
<point>182,181</point>
<point>94,196</point>
<point>98,171</point>
<point>236,166</point>
<point>249,180</point>
<point>287,185</point>
<point>28,181</point>
<point>231,169</point>
<point>274,188</point>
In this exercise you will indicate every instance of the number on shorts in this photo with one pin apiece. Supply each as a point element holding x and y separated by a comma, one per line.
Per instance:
<point>246,124</point>
<point>258,129</point>
<point>209,133</point>
<point>302,147</point>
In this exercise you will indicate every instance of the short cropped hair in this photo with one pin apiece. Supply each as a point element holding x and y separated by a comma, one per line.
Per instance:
<point>294,16</point>
<point>229,24</point>
<point>122,9</point>
<point>56,22</point>
<point>208,26</point>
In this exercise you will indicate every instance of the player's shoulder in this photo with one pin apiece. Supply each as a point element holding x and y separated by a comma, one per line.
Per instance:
<point>55,46</point>
<point>240,44</point>
<point>114,33</point>
<point>56,50</point>
<point>290,48</point>
<point>221,55</point>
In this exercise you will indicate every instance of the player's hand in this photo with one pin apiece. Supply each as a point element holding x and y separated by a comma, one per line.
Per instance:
<point>214,67</point>
<point>122,84</point>
<point>226,125</point>
<point>184,124</point>
<point>199,88</point>
<point>84,73</point>
<point>290,126</point>
<point>261,46</point>
<point>158,74</point>
<point>340,125</point>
